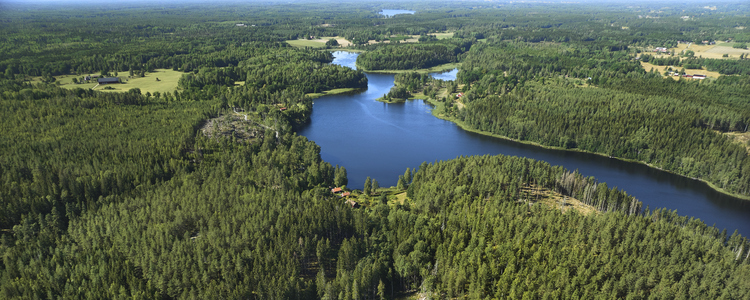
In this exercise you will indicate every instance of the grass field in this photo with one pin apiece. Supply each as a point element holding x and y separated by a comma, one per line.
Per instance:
<point>444,35</point>
<point>318,43</point>
<point>306,43</point>
<point>716,51</point>
<point>724,48</point>
<point>167,82</point>
<point>62,80</point>
<point>647,66</point>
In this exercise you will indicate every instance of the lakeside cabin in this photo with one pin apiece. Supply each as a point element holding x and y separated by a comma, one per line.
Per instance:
<point>108,80</point>
<point>336,190</point>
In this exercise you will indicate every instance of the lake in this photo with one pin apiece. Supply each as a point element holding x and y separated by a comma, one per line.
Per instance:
<point>392,12</point>
<point>380,140</point>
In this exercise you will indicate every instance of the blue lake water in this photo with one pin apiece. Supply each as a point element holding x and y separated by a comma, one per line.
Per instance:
<point>380,140</point>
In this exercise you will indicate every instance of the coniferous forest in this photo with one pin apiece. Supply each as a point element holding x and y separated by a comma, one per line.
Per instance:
<point>204,190</point>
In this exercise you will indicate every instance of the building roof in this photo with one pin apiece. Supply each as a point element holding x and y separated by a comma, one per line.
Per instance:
<point>109,80</point>
<point>335,190</point>
<point>345,194</point>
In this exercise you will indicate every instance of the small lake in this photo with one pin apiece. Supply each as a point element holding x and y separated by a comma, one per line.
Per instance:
<point>392,12</point>
<point>380,140</point>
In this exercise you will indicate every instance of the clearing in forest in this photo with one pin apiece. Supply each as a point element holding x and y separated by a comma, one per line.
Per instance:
<point>319,42</point>
<point>167,82</point>
<point>647,66</point>
<point>715,51</point>
<point>235,125</point>
<point>742,138</point>
<point>556,200</point>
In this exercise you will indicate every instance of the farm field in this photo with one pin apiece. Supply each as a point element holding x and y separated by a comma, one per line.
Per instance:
<point>716,51</point>
<point>318,43</point>
<point>167,82</point>
<point>647,66</point>
<point>444,35</point>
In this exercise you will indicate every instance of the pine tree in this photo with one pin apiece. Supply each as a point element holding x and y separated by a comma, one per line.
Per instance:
<point>401,184</point>
<point>368,186</point>
<point>407,176</point>
<point>381,290</point>
<point>340,178</point>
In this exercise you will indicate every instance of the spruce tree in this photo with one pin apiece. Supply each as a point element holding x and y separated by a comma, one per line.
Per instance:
<point>368,186</point>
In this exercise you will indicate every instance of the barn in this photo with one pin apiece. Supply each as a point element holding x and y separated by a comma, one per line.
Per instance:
<point>108,80</point>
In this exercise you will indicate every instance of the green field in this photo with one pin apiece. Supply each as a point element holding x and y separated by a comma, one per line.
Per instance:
<point>167,82</point>
<point>444,35</point>
<point>306,43</point>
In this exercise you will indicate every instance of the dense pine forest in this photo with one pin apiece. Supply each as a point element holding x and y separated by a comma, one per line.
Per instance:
<point>203,190</point>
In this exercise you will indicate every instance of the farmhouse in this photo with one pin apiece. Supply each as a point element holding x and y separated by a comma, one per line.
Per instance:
<point>108,80</point>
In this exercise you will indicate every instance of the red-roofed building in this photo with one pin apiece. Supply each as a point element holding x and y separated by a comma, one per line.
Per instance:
<point>335,190</point>
<point>345,194</point>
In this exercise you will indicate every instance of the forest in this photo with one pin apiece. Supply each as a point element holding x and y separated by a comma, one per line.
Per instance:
<point>570,98</point>
<point>408,57</point>
<point>208,192</point>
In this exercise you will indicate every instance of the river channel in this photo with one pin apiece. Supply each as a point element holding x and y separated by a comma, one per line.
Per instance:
<point>380,140</point>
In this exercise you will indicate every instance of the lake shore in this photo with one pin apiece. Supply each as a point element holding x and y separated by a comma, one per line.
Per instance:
<point>435,69</point>
<point>334,92</point>
<point>439,106</point>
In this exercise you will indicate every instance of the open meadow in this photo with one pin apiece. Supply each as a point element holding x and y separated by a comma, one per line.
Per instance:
<point>709,74</point>
<point>716,51</point>
<point>167,82</point>
<point>319,42</point>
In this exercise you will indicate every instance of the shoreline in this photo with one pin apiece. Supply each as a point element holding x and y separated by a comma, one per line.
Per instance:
<point>465,127</point>
<point>435,69</point>
<point>333,92</point>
